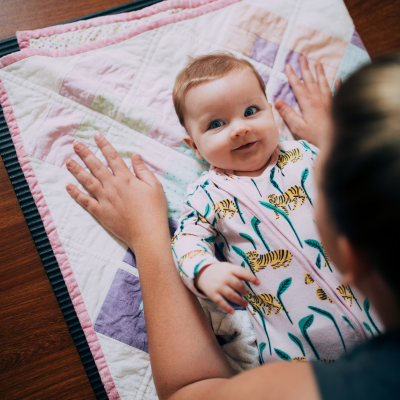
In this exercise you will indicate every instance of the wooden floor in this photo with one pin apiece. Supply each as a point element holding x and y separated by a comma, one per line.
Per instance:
<point>38,359</point>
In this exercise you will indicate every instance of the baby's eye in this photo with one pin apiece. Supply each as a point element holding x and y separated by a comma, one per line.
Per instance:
<point>215,124</point>
<point>250,111</point>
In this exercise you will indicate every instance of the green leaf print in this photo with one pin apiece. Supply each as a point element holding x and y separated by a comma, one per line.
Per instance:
<point>332,318</point>
<point>249,238</point>
<point>194,191</point>
<point>307,147</point>
<point>316,245</point>
<point>304,324</point>
<point>206,250</point>
<point>207,210</point>
<point>283,286</point>
<point>368,328</point>
<point>196,268</point>
<point>192,214</point>
<point>261,316</point>
<point>277,210</point>
<point>210,239</point>
<point>223,237</point>
<point>366,309</point>
<point>254,223</point>
<point>208,194</point>
<point>221,250</point>
<point>237,206</point>
<point>282,355</point>
<point>354,297</point>
<point>274,184</point>
<point>347,320</point>
<point>304,176</point>
<point>256,187</point>
<point>261,349</point>
<point>242,254</point>
<point>318,262</point>
<point>296,340</point>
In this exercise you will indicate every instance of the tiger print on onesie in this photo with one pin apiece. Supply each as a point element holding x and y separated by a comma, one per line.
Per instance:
<point>301,311</point>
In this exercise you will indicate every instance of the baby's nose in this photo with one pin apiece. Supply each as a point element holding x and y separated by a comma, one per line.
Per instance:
<point>241,128</point>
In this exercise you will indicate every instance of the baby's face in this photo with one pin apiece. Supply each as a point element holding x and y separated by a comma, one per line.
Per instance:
<point>230,123</point>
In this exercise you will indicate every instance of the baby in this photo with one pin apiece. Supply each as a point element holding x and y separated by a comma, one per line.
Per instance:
<point>247,224</point>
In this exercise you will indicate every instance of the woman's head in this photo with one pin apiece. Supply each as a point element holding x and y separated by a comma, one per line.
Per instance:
<point>360,170</point>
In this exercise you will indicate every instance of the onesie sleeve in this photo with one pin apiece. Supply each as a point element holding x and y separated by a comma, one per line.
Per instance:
<point>193,242</point>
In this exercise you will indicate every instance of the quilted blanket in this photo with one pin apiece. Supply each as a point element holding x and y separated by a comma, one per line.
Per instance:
<point>115,75</point>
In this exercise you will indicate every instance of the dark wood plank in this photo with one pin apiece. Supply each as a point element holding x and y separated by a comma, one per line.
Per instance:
<point>24,15</point>
<point>378,24</point>
<point>38,358</point>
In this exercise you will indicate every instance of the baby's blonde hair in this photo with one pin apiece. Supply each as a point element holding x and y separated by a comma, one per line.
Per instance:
<point>205,69</point>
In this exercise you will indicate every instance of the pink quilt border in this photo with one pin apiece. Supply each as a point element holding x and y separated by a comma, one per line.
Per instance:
<point>204,7</point>
<point>58,249</point>
<point>194,8</point>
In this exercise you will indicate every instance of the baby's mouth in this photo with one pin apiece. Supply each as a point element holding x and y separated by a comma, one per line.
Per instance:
<point>245,146</point>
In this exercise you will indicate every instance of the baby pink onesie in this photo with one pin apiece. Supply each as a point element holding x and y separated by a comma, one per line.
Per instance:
<point>301,311</point>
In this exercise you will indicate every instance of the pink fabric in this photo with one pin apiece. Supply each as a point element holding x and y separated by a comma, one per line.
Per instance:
<point>203,7</point>
<point>195,9</point>
<point>57,247</point>
<point>53,142</point>
<point>91,71</point>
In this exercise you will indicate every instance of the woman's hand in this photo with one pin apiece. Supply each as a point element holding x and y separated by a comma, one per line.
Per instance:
<point>128,206</point>
<point>314,98</point>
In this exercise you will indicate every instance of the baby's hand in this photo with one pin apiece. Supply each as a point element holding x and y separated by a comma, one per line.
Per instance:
<point>224,281</point>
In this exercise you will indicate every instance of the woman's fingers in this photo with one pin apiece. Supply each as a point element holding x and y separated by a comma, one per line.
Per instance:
<point>114,160</point>
<point>141,170</point>
<point>322,81</point>
<point>96,167</point>
<point>88,181</point>
<point>87,202</point>
<point>308,77</point>
<point>292,119</point>
<point>297,85</point>
<point>338,83</point>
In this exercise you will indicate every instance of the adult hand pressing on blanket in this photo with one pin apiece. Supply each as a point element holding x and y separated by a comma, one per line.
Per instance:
<point>314,97</point>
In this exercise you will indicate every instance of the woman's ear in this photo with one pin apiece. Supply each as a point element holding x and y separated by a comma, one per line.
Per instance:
<point>355,267</point>
<point>190,142</point>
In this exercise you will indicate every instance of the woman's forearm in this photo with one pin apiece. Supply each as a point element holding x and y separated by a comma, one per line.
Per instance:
<point>182,346</point>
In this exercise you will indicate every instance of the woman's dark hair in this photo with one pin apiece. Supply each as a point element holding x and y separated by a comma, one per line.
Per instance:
<point>362,172</point>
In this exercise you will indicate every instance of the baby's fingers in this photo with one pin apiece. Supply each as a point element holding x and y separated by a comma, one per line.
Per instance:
<point>245,275</point>
<point>220,301</point>
<point>238,285</point>
<point>233,296</point>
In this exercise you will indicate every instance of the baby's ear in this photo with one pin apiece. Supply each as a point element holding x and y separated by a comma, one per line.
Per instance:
<point>187,139</point>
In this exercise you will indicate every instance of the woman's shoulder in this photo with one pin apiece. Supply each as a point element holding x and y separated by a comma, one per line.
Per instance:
<point>360,373</point>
